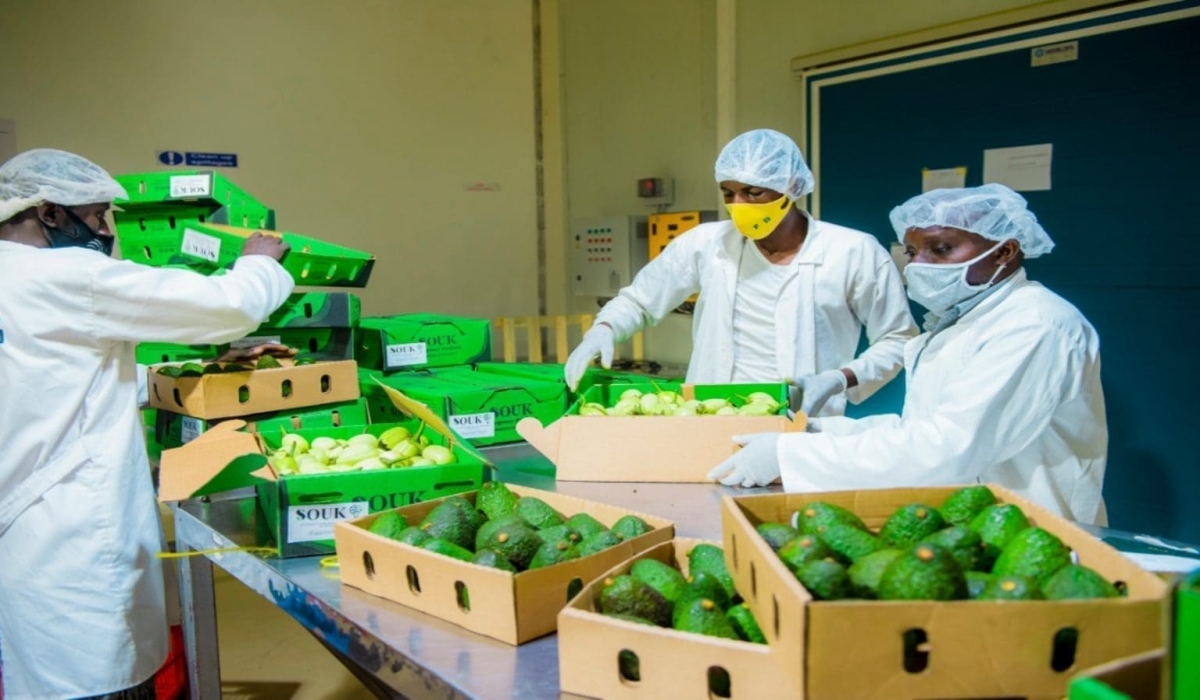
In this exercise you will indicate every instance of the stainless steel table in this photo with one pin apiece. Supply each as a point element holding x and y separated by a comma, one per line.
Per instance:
<point>394,650</point>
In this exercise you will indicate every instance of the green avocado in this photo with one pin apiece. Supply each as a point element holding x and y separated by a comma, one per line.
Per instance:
<point>585,525</point>
<point>703,616</point>
<point>802,550</point>
<point>1073,582</point>
<point>630,526</point>
<point>963,543</point>
<point>517,542</point>
<point>551,553</point>
<point>667,580</point>
<point>961,507</point>
<point>1034,553</point>
<point>412,535</point>
<point>813,518</point>
<point>777,534</point>
<point>598,542</point>
<point>537,512</point>
<point>492,559</point>
<point>867,571</point>
<point>1010,588</point>
<point>825,579</point>
<point>388,525</point>
<point>910,524</point>
<point>710,559</point>
<point>849,544</point>
<point>997,525</point>
<point>744,624</point>
<point>926,572</point>
<point>446,548</point>
<point>625,595</point>
<point>495,500</point>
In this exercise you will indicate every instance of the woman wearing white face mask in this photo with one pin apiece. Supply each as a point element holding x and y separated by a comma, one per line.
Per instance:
<point>782,295</point>
<point>1003,387</point>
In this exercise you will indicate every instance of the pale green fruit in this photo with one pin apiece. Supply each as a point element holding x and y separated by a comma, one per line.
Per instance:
<point>624,408</point>
<point>438,454</point>
<point>294,444</point>
<point>714,405</point>
<point>692,404</point>
<point>308,465</point>
<point>726,411</point>
<point>755,409</point>
<point>648,403</point>
<point>353,454</point>
<point>762,396</point>
<point>392,436</point>
<point>371,464</point>
<point>365,439</point>
<point>407,449</point>
<point>421,462</point>
<point>630,395</point>
<point>668,410</point>
<point>282,463</point>
<point>669,397</point>
<point>687,411</point>
<point>423,442</point>
<point>323,443</point>
<point>592,409</point>
<point>389,457</point>
<point>343,467</point>
<point>319,454</point>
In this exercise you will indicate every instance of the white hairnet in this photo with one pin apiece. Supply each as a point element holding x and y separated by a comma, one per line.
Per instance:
<point>46,175</point>
<point>992,211</point>
<point>766,158</point>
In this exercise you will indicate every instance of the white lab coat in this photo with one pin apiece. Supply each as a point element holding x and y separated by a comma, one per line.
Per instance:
<point>81,591</point>
<point>1010,394</point>
<point>840,281</point>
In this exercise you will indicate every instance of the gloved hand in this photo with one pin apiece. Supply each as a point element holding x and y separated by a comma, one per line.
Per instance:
<point>599,340</point>
<point>756,464</point>
<point>810,394</point>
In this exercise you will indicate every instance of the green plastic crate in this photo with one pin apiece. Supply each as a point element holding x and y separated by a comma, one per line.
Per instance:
<point>157,353</point>
<point>317,310</point>
<point>1185,661</point>
<point>608,394</point>
<point>322,344</point>
<point>422,341</point>
<point>173,429</point>
<point>183,187</point>
<point>483,408</point>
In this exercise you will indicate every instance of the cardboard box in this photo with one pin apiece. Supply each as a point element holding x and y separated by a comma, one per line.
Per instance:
<point>673,664</point>
<point>422,341</point>
<point>976,649</point>
<point>300,511</point>
<point>512,608</point>
<point>160,353</point>
<point>680,449</point>
<point>174,429</point>
<point>316,310</point>
<point>1135,678</point>
<point>260,391</point>
<point>209,247</point>
<point>483,408</point>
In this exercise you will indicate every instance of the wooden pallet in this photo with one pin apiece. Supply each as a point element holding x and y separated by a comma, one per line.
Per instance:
<point>559,328</point>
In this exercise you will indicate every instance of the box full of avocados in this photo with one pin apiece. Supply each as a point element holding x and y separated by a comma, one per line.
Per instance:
<point>502,604</point>
<point>225,391</point>
<point>606,657</point>
<point>300,509</point>
<point>421,341</point>
<point>903,647</point>
<point>637,440</point>
<point>175,429</point>
<point>484,408</point>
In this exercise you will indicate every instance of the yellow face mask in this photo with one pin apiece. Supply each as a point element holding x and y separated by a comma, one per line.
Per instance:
<point>757,221</point>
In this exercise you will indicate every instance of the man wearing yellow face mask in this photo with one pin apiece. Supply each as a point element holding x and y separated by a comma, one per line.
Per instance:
<point>783,297</point>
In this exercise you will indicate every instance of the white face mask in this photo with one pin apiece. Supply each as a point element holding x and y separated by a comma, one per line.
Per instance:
<point>940,288</point>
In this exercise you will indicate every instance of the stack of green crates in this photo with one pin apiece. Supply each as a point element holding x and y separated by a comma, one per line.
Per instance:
<point>408,342</point>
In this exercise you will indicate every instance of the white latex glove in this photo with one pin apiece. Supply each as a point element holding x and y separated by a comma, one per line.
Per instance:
<point>599,340</point>
<point>815,390</point>
<point>756,464</point>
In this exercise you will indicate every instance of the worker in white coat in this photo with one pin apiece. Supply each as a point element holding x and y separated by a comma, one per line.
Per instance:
<point>82,609</point>
<point>1004,387</point>
<point>783,296</point>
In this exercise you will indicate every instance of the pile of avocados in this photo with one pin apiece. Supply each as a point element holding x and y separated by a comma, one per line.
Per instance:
<point>972,548</point>
<point>704,602</point>
<point>505,531</point>
<point>195,369</point>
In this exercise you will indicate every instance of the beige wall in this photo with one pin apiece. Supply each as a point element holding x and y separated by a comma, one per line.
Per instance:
<point>361,122</point>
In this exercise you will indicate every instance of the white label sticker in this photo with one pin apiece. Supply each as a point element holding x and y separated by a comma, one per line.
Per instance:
<point>1054,53</point>
<point>315,522</point>
<point>190,429</point>
<point>474,425</point>
<point>406,354</point>
<point>253,341</point>
<point>191,186</point>
<point>200,245</point>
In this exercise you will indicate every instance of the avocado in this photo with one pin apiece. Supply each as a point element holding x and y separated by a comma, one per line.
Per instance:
<point>865,573</point>
<point>626,595</point>
<point>454,520</point>
<point>489,529</point>
<point>849,544</point>
<point>446,548</point>
<point>212,368</point>
<point>802,550</point>
<point>777,534</point>
<point>495,500</point>
<point>303,360</point>
<point>961,507</point>
<point>1076,582</point>
<point>518,543</point>
<point>926,572</point>
<point>815,517</point>
<point>744,624</point>
<point>976,582</point>
<point>551,553</point>
<point>559,532</point>
<point>665,579</point>
<point>1010,588</point>
<point>1034,553</point>
<point>600,541</point>
<point>704,585</point>
<point>630,526</point>
<point>997,525</point>
<point>703,616</point>
<point>825,579</point>
<point>493,559</point>
<point>412,535</point>
<point>537,512</point>
<point>267,362</point>
<point>630,618</point>
<point>963,543</point>
<point>710,559</point>
<point>910,524</point>
<point>191,369</point>
<point>172,371</point>
<point>388,525</point>
<point>585,525</point>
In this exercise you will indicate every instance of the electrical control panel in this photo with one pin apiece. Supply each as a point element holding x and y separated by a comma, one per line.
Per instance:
<point>667,226</point>
<point>605,253</point>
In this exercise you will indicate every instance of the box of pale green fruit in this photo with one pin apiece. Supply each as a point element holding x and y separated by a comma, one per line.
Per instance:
<point>657,431</point>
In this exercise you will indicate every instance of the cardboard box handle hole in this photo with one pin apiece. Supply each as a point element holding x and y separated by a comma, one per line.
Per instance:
<point>629,668</point>
<point>178,400</point>
<point>463,596</point>
<point>285,389</point>
<point>733,550</point>
<point>308,310</point>
<point>414,581</point>
<point>332,269</point>
<point>1066,640</point>
<point>324,383</point>
<point>753,582</point>
<point>916,650</point>
<point>574,587</point>
<point>243,394</point>
<point>718,682</point>
<point>775,615</point>
<point>369,565</point>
